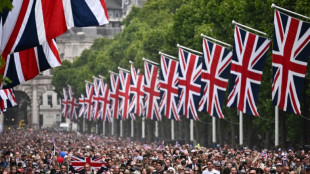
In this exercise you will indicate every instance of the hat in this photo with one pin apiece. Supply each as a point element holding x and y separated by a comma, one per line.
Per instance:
<point>203,167</point>
<point>279,164</point>
<point>180,167</point>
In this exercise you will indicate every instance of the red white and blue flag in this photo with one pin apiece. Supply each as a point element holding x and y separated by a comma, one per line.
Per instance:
<point>96,99</point>
<point>82,105</point>
<point>189,84</point>
<point>151,92</point>
<point>215,72</point>
<point>169,88</point>
<point>136,92</point>
<point>290,55</point>
<point>104,100</point>
<point>64,104</point>
<point>88,112</point>
<point>124,94</point>
<point>32,22</point>
<point>114,95</point>
<point>7,99</point>
<point>78,163</point>
<point>249,54</point>
<point>73,105</point>
<point>27,64</point>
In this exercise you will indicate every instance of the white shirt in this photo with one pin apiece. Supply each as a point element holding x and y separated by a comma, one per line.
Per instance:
<point>213,171</point>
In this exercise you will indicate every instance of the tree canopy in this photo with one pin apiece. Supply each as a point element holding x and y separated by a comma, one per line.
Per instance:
<point>161,24</point>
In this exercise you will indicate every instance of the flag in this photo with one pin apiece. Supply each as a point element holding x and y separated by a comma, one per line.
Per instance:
<point>114,95</point>
<point>169,88</point>
<point>64,103</point>
<point>136,92</point>
<point>104,100</point>
<point>25,65</point>
<point>290,55</point>
<point>248,60</point>
<point>151,92</point>
<point>124,93</point>
<point>82,106</point>
<point>79,162</point>
<point>7,99</point>
<point>88,112</point>
<point>96,98</point>
<point>215,72</point>
<point>189,84</point>
<point>32,22</point>
<point>73,104</point>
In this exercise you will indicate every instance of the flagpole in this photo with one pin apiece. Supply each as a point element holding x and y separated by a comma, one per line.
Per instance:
<point>152,62</point>
<point>189,49</point>
<point>119,68</point>
<point>249,28</point>
<point>167,55</point>
<point>172,129</point>
<point>112,127</point>
<point>121,128</point>
<point>103,128</point>
<point>143,128</point>
<point>289,11</point>
<point>240,127</point>
<point>83,125</point>
<point>156,129</point>
<point>132,128</point>
<point>191,130</point>
<point>215,40</point>
<point>213,130</point>
<point>276,143</point>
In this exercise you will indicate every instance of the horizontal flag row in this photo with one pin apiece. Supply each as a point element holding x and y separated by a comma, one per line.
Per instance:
<point>194,82</point>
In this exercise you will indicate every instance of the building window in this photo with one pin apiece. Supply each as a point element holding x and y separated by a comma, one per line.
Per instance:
<point>49,100</point>
<point>41,100</point>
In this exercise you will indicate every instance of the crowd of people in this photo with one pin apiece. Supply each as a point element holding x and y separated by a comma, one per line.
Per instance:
<point>27,151</point>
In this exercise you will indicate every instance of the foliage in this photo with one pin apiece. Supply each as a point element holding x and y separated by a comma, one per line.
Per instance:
<point>161,24</point>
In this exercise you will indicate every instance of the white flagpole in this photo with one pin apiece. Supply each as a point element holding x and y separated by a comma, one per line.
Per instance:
<point>240,127</point>
<point>249,28</point>
<point>276,143</point>
<point>215,40</point>
<point>191,130</point>
<point>96,128</point>
<point>121,128</point>
<point>172,129</point>
<point>189,49</point>
<point>156,129</point>
<point>103,128</point>
<point>132,128</point>
<point>288,11</point>
<point>213,130</point>
<point>112,127</point>
<point>143,127</point>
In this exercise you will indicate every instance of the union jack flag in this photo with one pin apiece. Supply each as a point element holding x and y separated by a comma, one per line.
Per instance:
<point>31,23</point>
<point>151,92</point>
<point>82,106</point>
<point>88,112</point>
<point>169,87</point>
<point>124,93</point>
<point>96,98</point>
<point>114,95</point>
<point>290,55</point>
<point>64,103</point>
<point>137,93</point>
<point>248,60</point>
<point>104,96</point>
<point>189,84</point>
<point>78,163</point>
<point>27,64</point>
<point>7,99</point>
<point>73,104</point>
<point>215,72</point>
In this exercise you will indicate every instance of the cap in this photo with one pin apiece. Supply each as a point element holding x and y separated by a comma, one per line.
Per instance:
<point>279,164</point>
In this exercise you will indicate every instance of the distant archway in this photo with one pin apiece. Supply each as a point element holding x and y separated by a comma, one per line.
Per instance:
<point>20,113</point>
